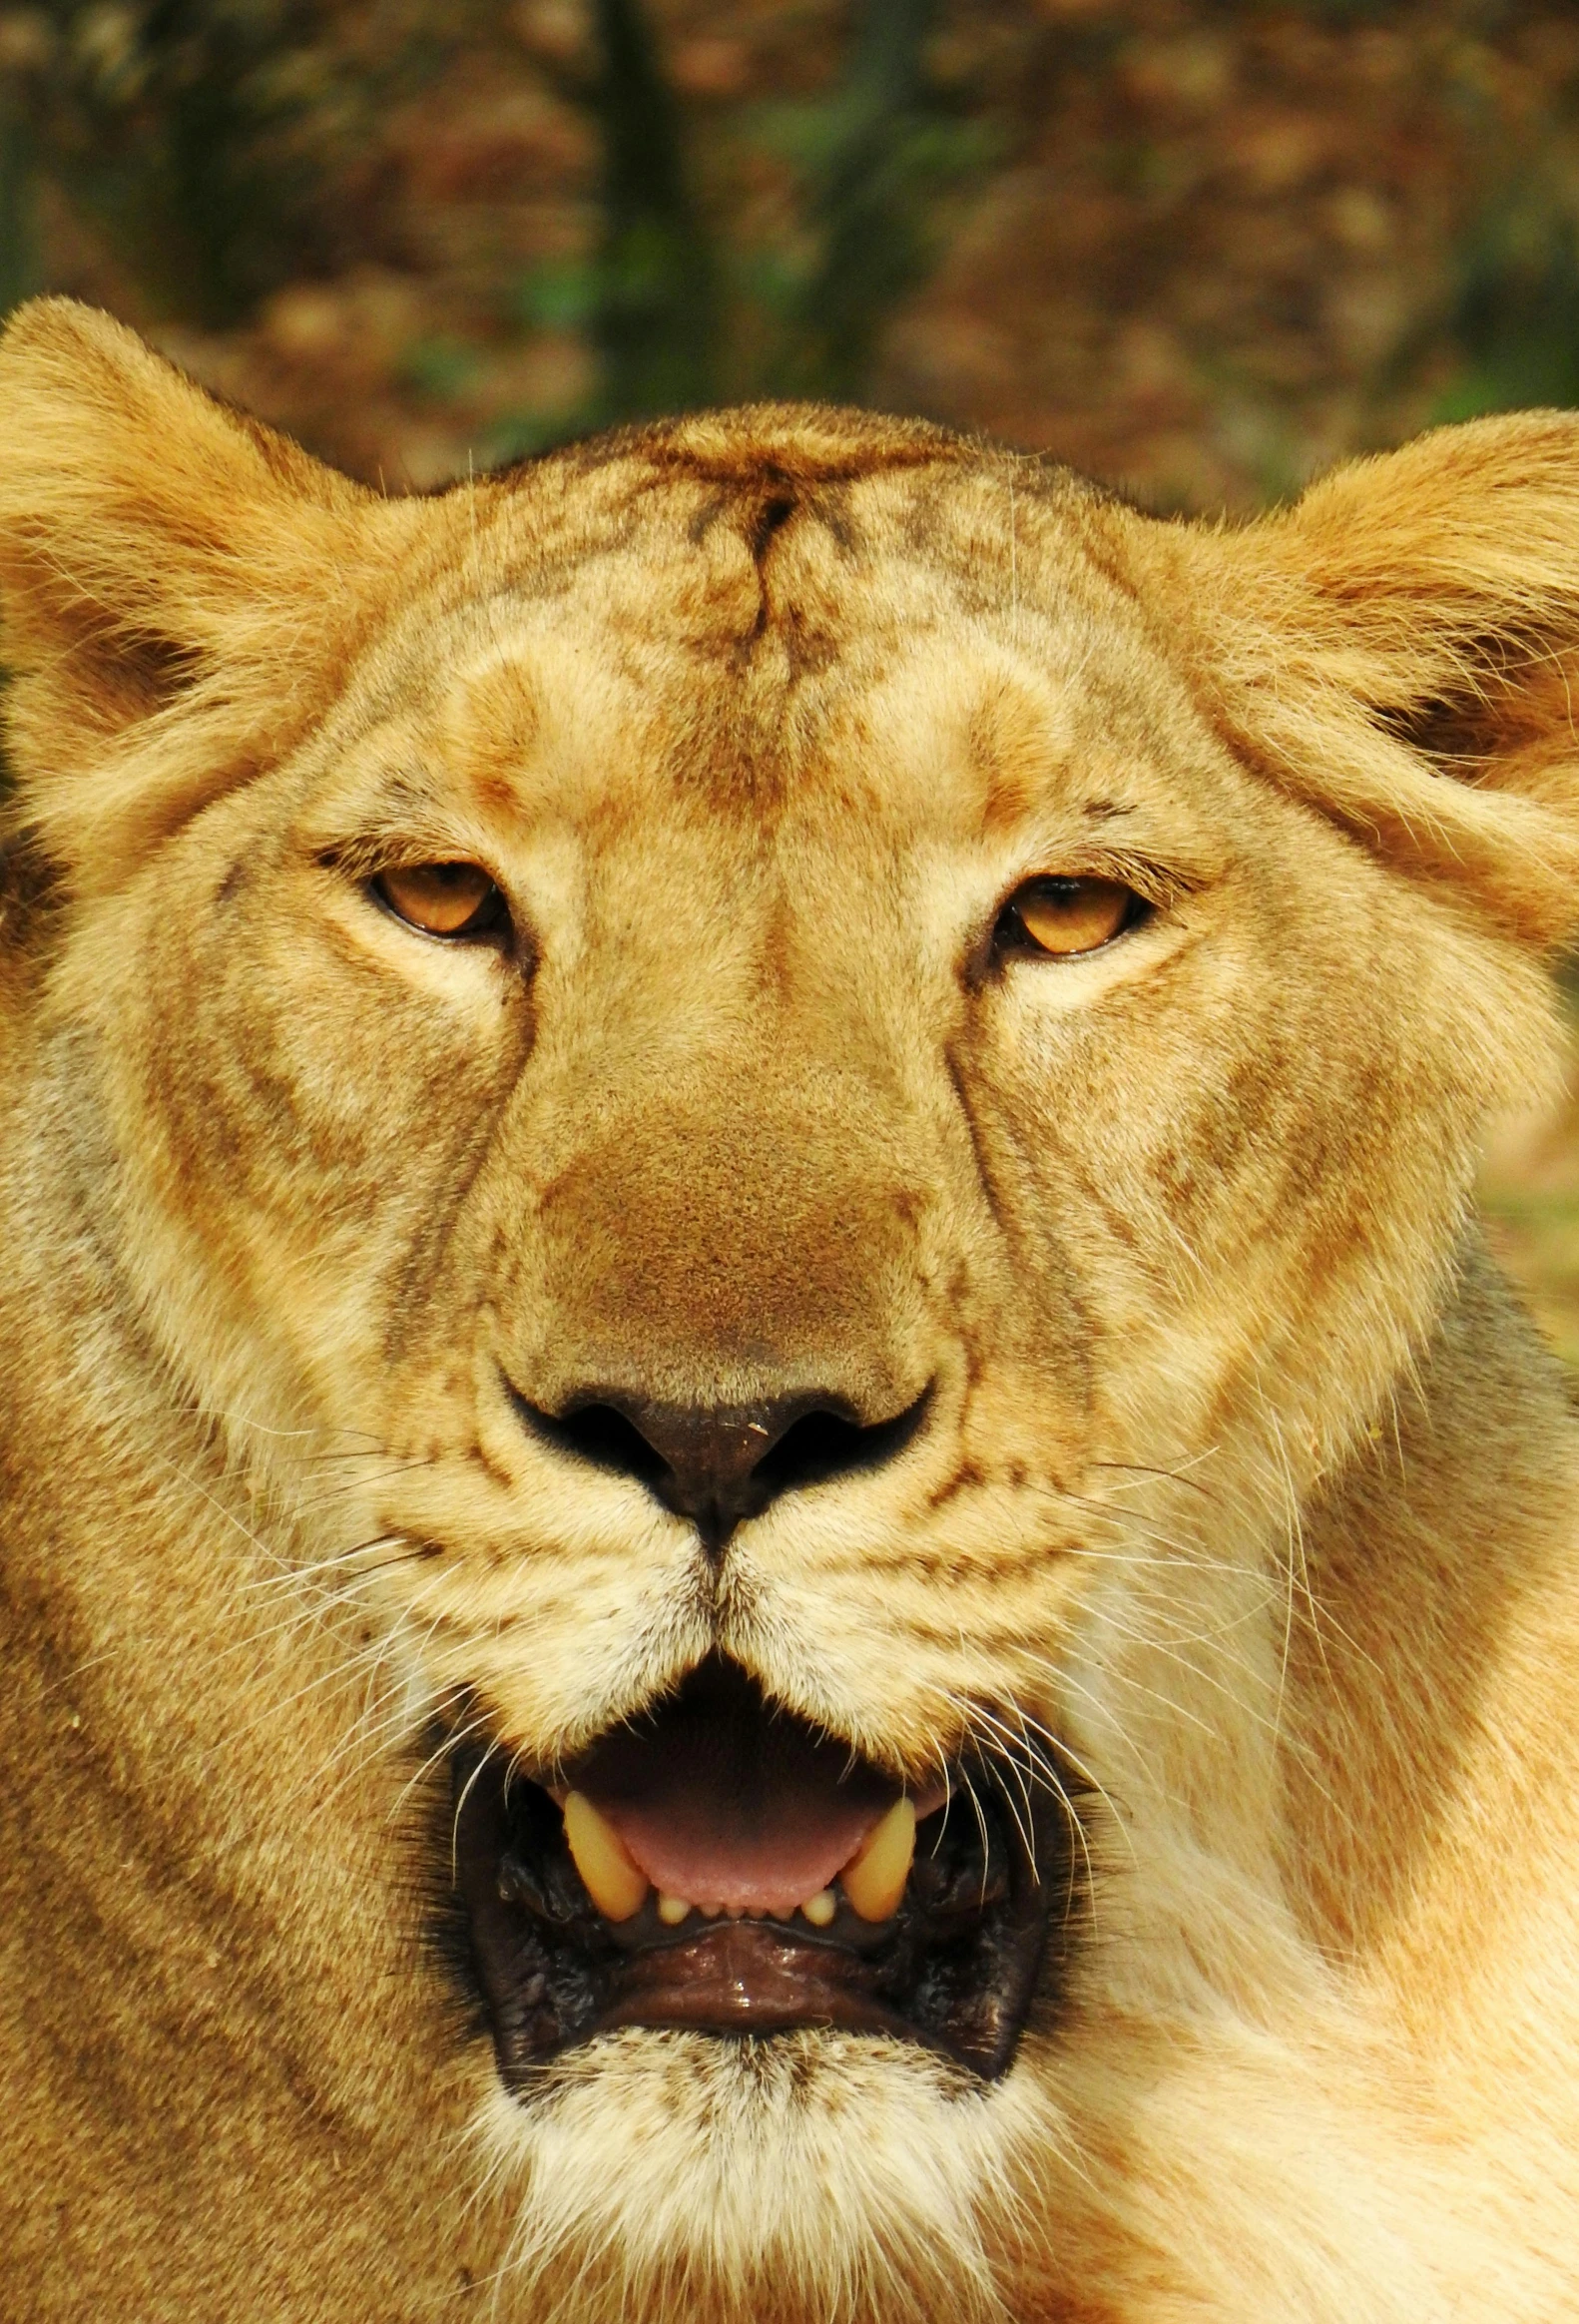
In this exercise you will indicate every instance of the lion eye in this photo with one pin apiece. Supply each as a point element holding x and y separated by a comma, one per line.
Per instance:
<point>442,899</point>
<point>1059,919</point>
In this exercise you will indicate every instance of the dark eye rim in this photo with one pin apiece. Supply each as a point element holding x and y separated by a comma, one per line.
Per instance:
<point>491,922</point>
<point>1012,941</point>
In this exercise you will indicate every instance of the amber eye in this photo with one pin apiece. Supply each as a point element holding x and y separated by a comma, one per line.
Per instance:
<point>444,900</point>
<point>1062,917</point>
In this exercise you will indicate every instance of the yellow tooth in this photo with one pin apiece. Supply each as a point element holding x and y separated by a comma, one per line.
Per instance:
<point>616,1886</point>
<point>819,1909</point>
<point>874,1877</point>
<point>671,1910</point>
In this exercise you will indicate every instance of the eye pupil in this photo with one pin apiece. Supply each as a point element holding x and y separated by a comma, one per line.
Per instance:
<point>442,899</point>
<point>1058,917</point>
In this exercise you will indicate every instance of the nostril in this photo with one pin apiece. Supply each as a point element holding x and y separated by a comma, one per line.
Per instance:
<point>598,1434</point>
<point>824,1444</point>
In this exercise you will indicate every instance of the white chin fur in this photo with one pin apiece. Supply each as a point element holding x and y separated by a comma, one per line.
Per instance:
<point>817,2175</point>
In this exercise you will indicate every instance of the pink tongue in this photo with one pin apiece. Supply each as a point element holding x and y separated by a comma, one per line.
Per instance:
<point>745,1813</point>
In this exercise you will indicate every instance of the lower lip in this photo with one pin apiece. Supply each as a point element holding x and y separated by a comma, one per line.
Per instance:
<point>750,1977</point>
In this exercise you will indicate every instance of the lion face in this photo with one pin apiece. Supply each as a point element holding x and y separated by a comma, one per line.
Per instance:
<point>754,1100</point>
<point>835,1156</point>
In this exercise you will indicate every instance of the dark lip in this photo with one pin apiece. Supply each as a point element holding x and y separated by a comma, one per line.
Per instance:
<point>988,1917</point>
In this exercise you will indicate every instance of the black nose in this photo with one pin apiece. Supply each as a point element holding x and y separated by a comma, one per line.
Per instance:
<point>720,1464</point>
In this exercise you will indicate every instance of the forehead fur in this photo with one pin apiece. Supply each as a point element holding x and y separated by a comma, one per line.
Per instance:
<point>772,556</point>
<point>720,593</point>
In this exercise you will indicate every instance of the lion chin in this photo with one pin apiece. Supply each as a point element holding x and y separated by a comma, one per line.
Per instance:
<point>814,2175</point>
<point>772,1544</point>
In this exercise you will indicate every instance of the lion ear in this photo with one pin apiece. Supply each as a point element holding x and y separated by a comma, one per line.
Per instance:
<point>1402,649</point>
<point>173,578</point>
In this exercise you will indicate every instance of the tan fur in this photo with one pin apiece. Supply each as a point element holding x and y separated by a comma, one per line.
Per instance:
<point>1242,1476</point>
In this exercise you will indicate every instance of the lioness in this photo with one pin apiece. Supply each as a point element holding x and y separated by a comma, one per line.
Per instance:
<point>772,1544</point>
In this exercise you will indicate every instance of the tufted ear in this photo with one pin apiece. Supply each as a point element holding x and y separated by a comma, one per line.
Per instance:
<point>175,579</point>
<point>1402,649</point>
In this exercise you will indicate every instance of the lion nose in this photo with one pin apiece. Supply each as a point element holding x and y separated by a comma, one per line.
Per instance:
<point>718,1465</point>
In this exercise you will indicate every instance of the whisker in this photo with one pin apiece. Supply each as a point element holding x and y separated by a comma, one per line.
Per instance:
<point>360,1485</point>
<point>465,1794</point>
<point>342,1558</point>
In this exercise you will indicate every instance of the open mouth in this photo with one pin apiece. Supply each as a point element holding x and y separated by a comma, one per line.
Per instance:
<point>721,1865</point>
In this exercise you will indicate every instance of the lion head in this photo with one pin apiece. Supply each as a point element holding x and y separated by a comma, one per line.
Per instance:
<point>776,1096</point>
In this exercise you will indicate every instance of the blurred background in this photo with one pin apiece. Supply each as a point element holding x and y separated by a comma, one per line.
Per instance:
<point>1200,250</point>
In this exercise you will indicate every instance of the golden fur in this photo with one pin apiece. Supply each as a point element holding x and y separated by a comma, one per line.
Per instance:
<point>1243,1476</point>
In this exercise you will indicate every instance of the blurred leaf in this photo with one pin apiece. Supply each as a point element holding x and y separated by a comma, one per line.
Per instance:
<point>560,295</point>
<point>1515,310</point>
<point>523,435</point>
<point>205,138</point>
<point>440,367</point>
<point>20,270</point>
<point>871,157</point>
<point>654,318</point>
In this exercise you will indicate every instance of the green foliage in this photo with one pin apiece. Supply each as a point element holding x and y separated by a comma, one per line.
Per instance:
<point>654,311</point>
<point>559,295</point>
<point>1516,307</point>
<point>211,145</point>
<point>439,367</point>
<point>871,157</point>
<point>179,129</point>
<point>682,311</point>
<point>20,270</point>
<point>206,140</point>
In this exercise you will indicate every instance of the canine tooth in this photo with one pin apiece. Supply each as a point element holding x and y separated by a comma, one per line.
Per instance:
<point>819,1909</point>
<point>875,1875</point>
<point>671,1910</point>
<point>616,1885</point>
